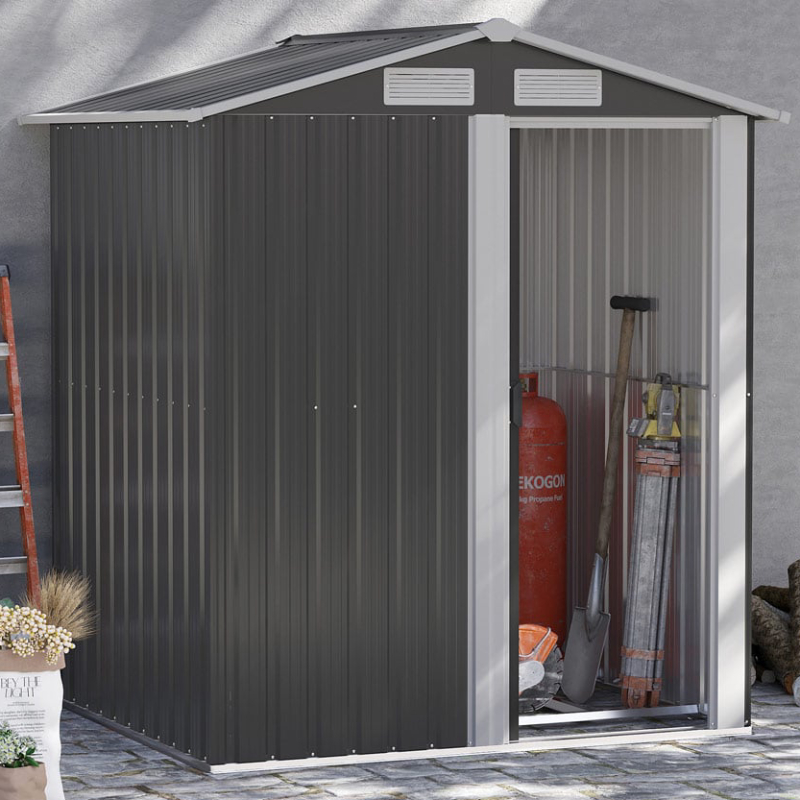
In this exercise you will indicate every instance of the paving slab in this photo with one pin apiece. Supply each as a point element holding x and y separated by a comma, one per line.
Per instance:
<point>98,763</point>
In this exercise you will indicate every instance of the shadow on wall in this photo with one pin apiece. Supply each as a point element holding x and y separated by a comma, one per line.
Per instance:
<point>54,53</point>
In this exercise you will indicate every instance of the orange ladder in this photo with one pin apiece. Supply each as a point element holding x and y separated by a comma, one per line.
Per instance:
<point>18,496</point>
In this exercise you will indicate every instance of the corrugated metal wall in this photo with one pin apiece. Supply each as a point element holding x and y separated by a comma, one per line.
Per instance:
<point>608,212</point>
<point>346,294</point>
<point>261,415</point>
<point>131,278</point>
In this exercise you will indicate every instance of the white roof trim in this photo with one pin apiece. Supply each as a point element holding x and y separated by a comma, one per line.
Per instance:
<point>254,97</point>
<point>88,117</point>
<point>684,87</point>
<point>499,30</point>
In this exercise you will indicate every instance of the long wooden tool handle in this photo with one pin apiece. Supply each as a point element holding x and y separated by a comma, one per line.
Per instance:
<point>615,432</point>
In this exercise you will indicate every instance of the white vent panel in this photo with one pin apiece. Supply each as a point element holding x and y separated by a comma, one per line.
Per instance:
<point>558,87</point>
<point>428,86</point>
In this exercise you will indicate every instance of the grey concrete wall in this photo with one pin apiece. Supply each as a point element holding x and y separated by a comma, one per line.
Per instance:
<point>52,52</point>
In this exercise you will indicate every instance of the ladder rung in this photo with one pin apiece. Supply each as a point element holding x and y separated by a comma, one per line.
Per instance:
<point>11,497</point>
<point>6,422</point>
<point>13,565</point>
<point>3,351</point>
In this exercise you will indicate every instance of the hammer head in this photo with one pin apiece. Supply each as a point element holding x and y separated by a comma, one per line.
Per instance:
<point>621,302</point>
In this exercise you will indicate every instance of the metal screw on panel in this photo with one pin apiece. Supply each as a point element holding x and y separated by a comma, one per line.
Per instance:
<point>354,405</point>
<point>315,408</point>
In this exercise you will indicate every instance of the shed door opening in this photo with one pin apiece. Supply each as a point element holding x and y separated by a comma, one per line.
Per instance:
<point>596,213</point>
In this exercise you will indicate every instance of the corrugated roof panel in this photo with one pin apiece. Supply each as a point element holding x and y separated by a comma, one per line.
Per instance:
<point>296,59</point>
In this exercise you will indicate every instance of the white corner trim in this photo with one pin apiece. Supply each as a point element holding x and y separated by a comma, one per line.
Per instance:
<point>728,589</point>
<point>488,434</point>
<point>498,29</point>
<point>274,91</point>
<point>719,98</point>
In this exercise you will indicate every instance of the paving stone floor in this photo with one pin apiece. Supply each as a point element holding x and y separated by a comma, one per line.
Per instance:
<point>766,766</point>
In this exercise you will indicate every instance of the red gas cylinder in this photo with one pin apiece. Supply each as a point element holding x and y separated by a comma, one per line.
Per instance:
<point>542,510</point>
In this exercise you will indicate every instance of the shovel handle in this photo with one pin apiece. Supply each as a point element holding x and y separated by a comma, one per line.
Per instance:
<point>615,432</point>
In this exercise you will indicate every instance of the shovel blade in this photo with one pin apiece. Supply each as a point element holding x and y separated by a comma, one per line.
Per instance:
<point>582,657</point>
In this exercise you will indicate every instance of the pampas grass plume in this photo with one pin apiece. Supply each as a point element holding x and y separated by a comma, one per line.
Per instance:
<point>66,601</point>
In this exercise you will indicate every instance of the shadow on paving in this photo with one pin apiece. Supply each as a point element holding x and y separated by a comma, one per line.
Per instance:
<point>98,763</point>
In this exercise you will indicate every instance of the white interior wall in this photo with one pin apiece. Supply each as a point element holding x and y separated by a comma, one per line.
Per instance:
<point>621,212</point>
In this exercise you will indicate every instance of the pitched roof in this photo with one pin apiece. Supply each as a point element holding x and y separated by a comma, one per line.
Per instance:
<point>302,61</point>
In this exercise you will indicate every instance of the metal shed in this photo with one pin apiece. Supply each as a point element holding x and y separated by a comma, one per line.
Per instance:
<point>290,292</point>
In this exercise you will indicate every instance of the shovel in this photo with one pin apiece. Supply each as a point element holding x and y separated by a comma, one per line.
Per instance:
<point>589,628</point>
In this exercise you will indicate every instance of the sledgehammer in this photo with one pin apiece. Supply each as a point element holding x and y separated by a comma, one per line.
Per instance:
<point>589,628</point>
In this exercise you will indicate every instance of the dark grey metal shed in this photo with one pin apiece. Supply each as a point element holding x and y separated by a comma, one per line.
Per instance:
<point>282,324</point>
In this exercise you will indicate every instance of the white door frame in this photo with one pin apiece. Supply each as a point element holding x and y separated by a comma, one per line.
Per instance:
<point>489,418</point>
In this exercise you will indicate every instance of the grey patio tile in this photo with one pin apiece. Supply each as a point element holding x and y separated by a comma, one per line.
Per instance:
<point>406,770</point>
<point>87,793</point>
<point>586,771</point>
<point>736,787</point>
<point>142,777</point>
<point>525,758</point>
<point>209,787</point>
<point>374,788</point>
<point>326,775</point>
<point>463,791</point>
<point>668,776</point>
<point>466,762</point>
<point>733,745</point>
<point>557,788</point>
<point>250,781</point>
<point>477,777</point>
<point>662,791</point>
<point>212,793</point>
